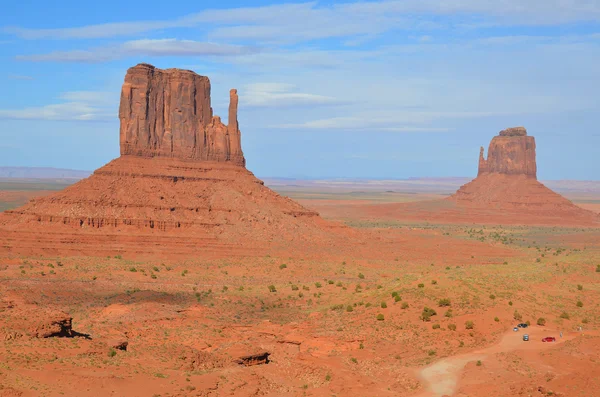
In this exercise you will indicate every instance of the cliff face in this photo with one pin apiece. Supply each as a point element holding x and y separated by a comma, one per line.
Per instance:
<point>512,152</point>
<point>168,113</point>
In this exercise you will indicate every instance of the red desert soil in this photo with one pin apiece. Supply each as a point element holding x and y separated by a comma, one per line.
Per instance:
<point>173,271</point>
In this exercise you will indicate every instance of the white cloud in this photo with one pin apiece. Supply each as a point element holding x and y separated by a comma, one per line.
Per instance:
<point>77,106</point>
<point>146,47</point>
<point>398,121</point>
<point>281,95</point>
<point>306,21</point>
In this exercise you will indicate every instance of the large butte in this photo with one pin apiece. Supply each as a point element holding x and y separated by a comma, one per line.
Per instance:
<point>180,187</point>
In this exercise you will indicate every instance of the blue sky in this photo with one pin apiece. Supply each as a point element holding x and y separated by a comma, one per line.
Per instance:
<point>371,89</point>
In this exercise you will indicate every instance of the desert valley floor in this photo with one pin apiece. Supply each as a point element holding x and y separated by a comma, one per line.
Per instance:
<point>431,313</point>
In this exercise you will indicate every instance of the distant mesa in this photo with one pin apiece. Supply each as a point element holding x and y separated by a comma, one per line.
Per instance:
<point>507,181</point>
<point>505,191</point>
<point>179,187</point>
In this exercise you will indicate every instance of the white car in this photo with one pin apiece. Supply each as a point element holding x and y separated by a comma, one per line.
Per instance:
<point>516,329</point>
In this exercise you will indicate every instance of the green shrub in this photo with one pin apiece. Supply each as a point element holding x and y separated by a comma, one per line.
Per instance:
<point>469,325</point>
<point>444,302</point>
<point>318,284</point>
<point>579,287</point>
<point>585,321</point>
<point>435,326</point>
<point>294,287</point>
<point>479,363</point>
<point>349,308</point>
<point>394,294</point>
<point>339,284</point>
<point>404,305</point>
<point>112,352</point>
<point>380,317</point>
<point>492,296</point>
<point>496,319</point>
<point>283,266</point>
<point>330,282</point>
<point>431,352</point>
<point>397,298</point>
<point>421,285</point>
<point>354,360</point>
<point>579,304</point>
<point>427,314</point>
<point>564,315</point>
<point>361,276</point>
<point>383,305</point>
<point>517,316</point>
<point>452,327</point>
<point>448,313</point>
<point>510,303</point>
<point>433,282</point>
<point>272,288</point>
<point>541,321</point>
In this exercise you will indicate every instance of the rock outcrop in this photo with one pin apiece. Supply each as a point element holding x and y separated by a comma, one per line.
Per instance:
<point>168,113</point>
<point>180,187</point>
<point>506,189</point>
<point>512,152</point>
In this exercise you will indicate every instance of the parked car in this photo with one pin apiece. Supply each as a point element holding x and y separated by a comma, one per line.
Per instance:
<point>515,329</point>
<point>549,339</point>
<point>522,325</point>
<point>526,338</point>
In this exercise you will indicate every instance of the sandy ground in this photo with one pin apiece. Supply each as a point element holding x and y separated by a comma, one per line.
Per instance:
<point>327,324</point>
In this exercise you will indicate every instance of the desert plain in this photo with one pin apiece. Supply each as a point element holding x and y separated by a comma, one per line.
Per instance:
<point>332,324</point>
<point>174,271</point>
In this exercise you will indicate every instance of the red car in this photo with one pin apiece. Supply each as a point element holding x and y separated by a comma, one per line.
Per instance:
<point>549,339</point>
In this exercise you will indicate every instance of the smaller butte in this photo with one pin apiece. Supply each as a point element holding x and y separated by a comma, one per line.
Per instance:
<point>507,183</point>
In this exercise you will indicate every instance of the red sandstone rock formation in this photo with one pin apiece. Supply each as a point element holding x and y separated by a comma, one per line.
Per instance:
<point>507,183</point>
<point>168,113</point>
<point>180,186</point>
<point>511,153</point>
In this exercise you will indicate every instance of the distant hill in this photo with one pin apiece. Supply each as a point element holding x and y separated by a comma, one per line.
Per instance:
<point>42,173</point>
<point>445,185</point>
<point>415,185</point>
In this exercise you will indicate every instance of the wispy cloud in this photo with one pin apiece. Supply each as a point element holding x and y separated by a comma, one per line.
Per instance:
<point>75,106</point>
<point>20,77</point>
<point>311,20</point>
<point>397,121</point>
<point>282,95</point>
<point>146,47</point>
